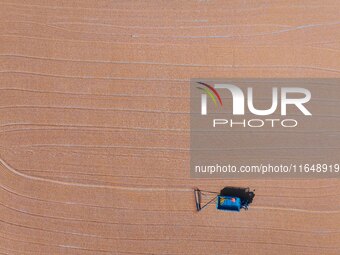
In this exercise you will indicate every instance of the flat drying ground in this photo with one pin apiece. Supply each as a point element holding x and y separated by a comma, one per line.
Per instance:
<point>94,125</point>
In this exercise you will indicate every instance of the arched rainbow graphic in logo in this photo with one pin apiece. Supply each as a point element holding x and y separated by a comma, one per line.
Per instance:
<point>213,94</point>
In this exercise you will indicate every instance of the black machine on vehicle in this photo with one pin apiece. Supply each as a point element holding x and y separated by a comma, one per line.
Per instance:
<point>229,198</point>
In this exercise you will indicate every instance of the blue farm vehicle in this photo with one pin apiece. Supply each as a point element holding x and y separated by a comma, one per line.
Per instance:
<point>228,199</point>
